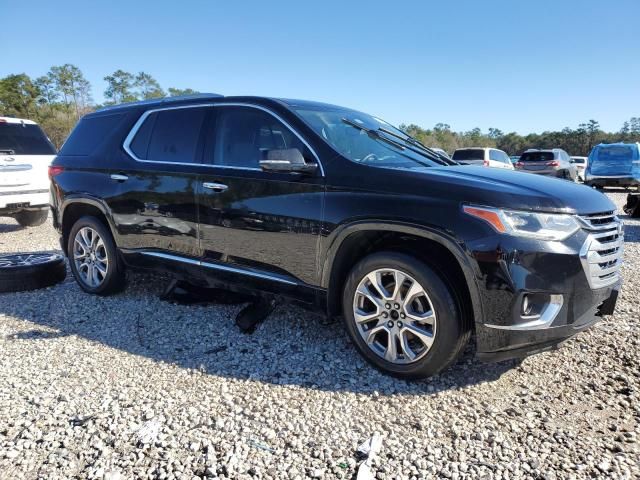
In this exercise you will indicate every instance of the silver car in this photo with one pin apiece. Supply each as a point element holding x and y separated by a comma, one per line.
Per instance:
<point>553,162</point>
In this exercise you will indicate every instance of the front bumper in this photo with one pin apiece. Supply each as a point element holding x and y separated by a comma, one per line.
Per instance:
<point>590,307</point>
<point>568,293</point>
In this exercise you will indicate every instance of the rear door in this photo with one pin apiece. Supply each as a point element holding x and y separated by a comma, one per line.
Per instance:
<point>258,224</point>
<point>154,192</point>
<point>25,154</point>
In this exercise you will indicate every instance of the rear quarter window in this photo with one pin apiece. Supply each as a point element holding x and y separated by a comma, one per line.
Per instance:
<point>90,133</point>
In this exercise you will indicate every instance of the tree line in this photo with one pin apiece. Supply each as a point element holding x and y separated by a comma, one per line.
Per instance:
<point>59,98</point>
<point>578,141</point>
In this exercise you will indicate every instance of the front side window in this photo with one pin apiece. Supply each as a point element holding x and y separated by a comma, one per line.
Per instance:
<point>244,135</point>
<point>364,139</point>
<point>169,135</point>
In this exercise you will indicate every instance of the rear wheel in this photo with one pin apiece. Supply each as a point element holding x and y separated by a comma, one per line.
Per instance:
<point>31,218</point>
<point>93,257</point>
<point>402,317</point>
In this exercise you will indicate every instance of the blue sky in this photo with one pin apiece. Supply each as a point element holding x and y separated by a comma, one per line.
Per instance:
<point>518,66</point>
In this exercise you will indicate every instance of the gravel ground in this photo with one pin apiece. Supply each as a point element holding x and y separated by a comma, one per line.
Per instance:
<point>133,387</point>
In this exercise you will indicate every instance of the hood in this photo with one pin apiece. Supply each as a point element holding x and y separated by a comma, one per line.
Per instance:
<point>501,188</point>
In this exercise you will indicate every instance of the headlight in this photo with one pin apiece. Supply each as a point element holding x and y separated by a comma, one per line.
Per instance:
<point>541,226</point>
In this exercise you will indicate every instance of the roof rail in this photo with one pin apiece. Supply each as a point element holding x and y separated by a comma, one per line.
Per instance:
<point>163,100</point>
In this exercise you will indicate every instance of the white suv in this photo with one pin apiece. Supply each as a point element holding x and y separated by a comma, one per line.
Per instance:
<point>487,157</point>
<point>25,156</point>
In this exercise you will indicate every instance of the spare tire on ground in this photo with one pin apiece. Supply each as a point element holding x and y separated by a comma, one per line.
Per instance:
<point>29,271</point>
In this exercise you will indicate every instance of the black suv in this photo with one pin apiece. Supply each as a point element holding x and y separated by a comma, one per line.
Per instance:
<point>340,211</point>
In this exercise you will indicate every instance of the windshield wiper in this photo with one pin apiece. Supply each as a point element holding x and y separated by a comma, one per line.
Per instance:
<point>376,135</point>
<point>433,155</point>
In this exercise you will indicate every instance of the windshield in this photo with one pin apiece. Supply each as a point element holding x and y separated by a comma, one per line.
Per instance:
<point>578,160</point>
<point>346,131</point>
<point>24,139</point>
<point>468,154</point>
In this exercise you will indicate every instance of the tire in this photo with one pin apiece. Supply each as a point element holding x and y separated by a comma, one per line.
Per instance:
<point>447,331</point>
<point>93,257</point>
<point>31,218</point>
<point>29,271</point>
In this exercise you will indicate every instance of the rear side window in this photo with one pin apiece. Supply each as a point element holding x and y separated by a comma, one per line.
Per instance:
<point>24,139</point>
<point>469,154</point>
<point>495,155</point>
<point>536,157</point>
<point>90,133</point>
<point>169,135</point>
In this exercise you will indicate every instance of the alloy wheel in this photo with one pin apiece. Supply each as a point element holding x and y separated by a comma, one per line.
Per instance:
<point>394,316</point>
<point>90,257</point>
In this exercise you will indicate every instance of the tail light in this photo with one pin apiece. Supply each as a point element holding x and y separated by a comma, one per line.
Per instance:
<point>485,163</point>
<point>55,170</point>
<point>553,163</point>
<point>519,165</point>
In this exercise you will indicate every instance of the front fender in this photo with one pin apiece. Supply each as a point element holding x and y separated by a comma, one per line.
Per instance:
<point>340,234</point>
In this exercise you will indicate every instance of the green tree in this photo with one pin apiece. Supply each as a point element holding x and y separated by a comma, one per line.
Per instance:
<point>120,87</point>
<point>147,87</point>
<point>74,89</point>
<point>18,96</point>
<point>177,92</point>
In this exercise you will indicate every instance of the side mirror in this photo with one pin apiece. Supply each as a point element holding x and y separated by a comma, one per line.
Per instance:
<point>289,160</point>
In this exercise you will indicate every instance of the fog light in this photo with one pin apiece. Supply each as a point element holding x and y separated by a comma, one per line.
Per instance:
<point>526,306</point>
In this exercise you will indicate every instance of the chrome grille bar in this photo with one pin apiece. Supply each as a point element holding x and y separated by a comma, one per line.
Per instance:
<point>601,253</point>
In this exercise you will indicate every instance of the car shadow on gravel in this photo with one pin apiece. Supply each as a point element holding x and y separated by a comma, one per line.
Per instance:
<point>292,347</point>
<point>10,227</point>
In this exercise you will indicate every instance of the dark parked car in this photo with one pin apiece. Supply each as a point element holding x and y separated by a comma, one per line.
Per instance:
<point>554,162</point>
<point>341,212</point>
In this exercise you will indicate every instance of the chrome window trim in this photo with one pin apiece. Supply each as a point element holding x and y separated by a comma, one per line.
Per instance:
<point>134,130</point>
<point>216,266</point>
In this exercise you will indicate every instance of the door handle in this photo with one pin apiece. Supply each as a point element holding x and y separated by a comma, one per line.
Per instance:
<point>216,187</point>
<point>119,177</point>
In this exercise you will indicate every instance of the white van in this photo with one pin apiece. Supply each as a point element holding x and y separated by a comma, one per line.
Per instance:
<point>25,156</point>
<point>487,157</point>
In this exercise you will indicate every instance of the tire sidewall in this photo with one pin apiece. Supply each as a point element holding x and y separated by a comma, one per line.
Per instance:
<point>113,279</point>
<point>448,321</point>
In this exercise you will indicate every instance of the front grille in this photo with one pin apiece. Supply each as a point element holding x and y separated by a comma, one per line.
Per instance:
<point>602,251</point>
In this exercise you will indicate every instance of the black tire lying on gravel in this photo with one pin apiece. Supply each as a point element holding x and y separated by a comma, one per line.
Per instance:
<point>29,218</point>
<point>29,271</point>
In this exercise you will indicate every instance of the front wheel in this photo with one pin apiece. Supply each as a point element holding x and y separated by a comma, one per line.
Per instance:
<point>402,316</point>
<point>31,218</point>
<point>93,257</point>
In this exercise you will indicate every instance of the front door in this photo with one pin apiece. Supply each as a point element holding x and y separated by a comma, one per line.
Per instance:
<point>261,225</point>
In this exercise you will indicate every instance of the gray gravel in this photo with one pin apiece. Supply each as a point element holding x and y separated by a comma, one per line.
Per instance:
<point>132,387</point>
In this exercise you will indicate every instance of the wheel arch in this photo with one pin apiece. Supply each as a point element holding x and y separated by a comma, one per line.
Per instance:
<point>353,242</point>
<point>74,208</point>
